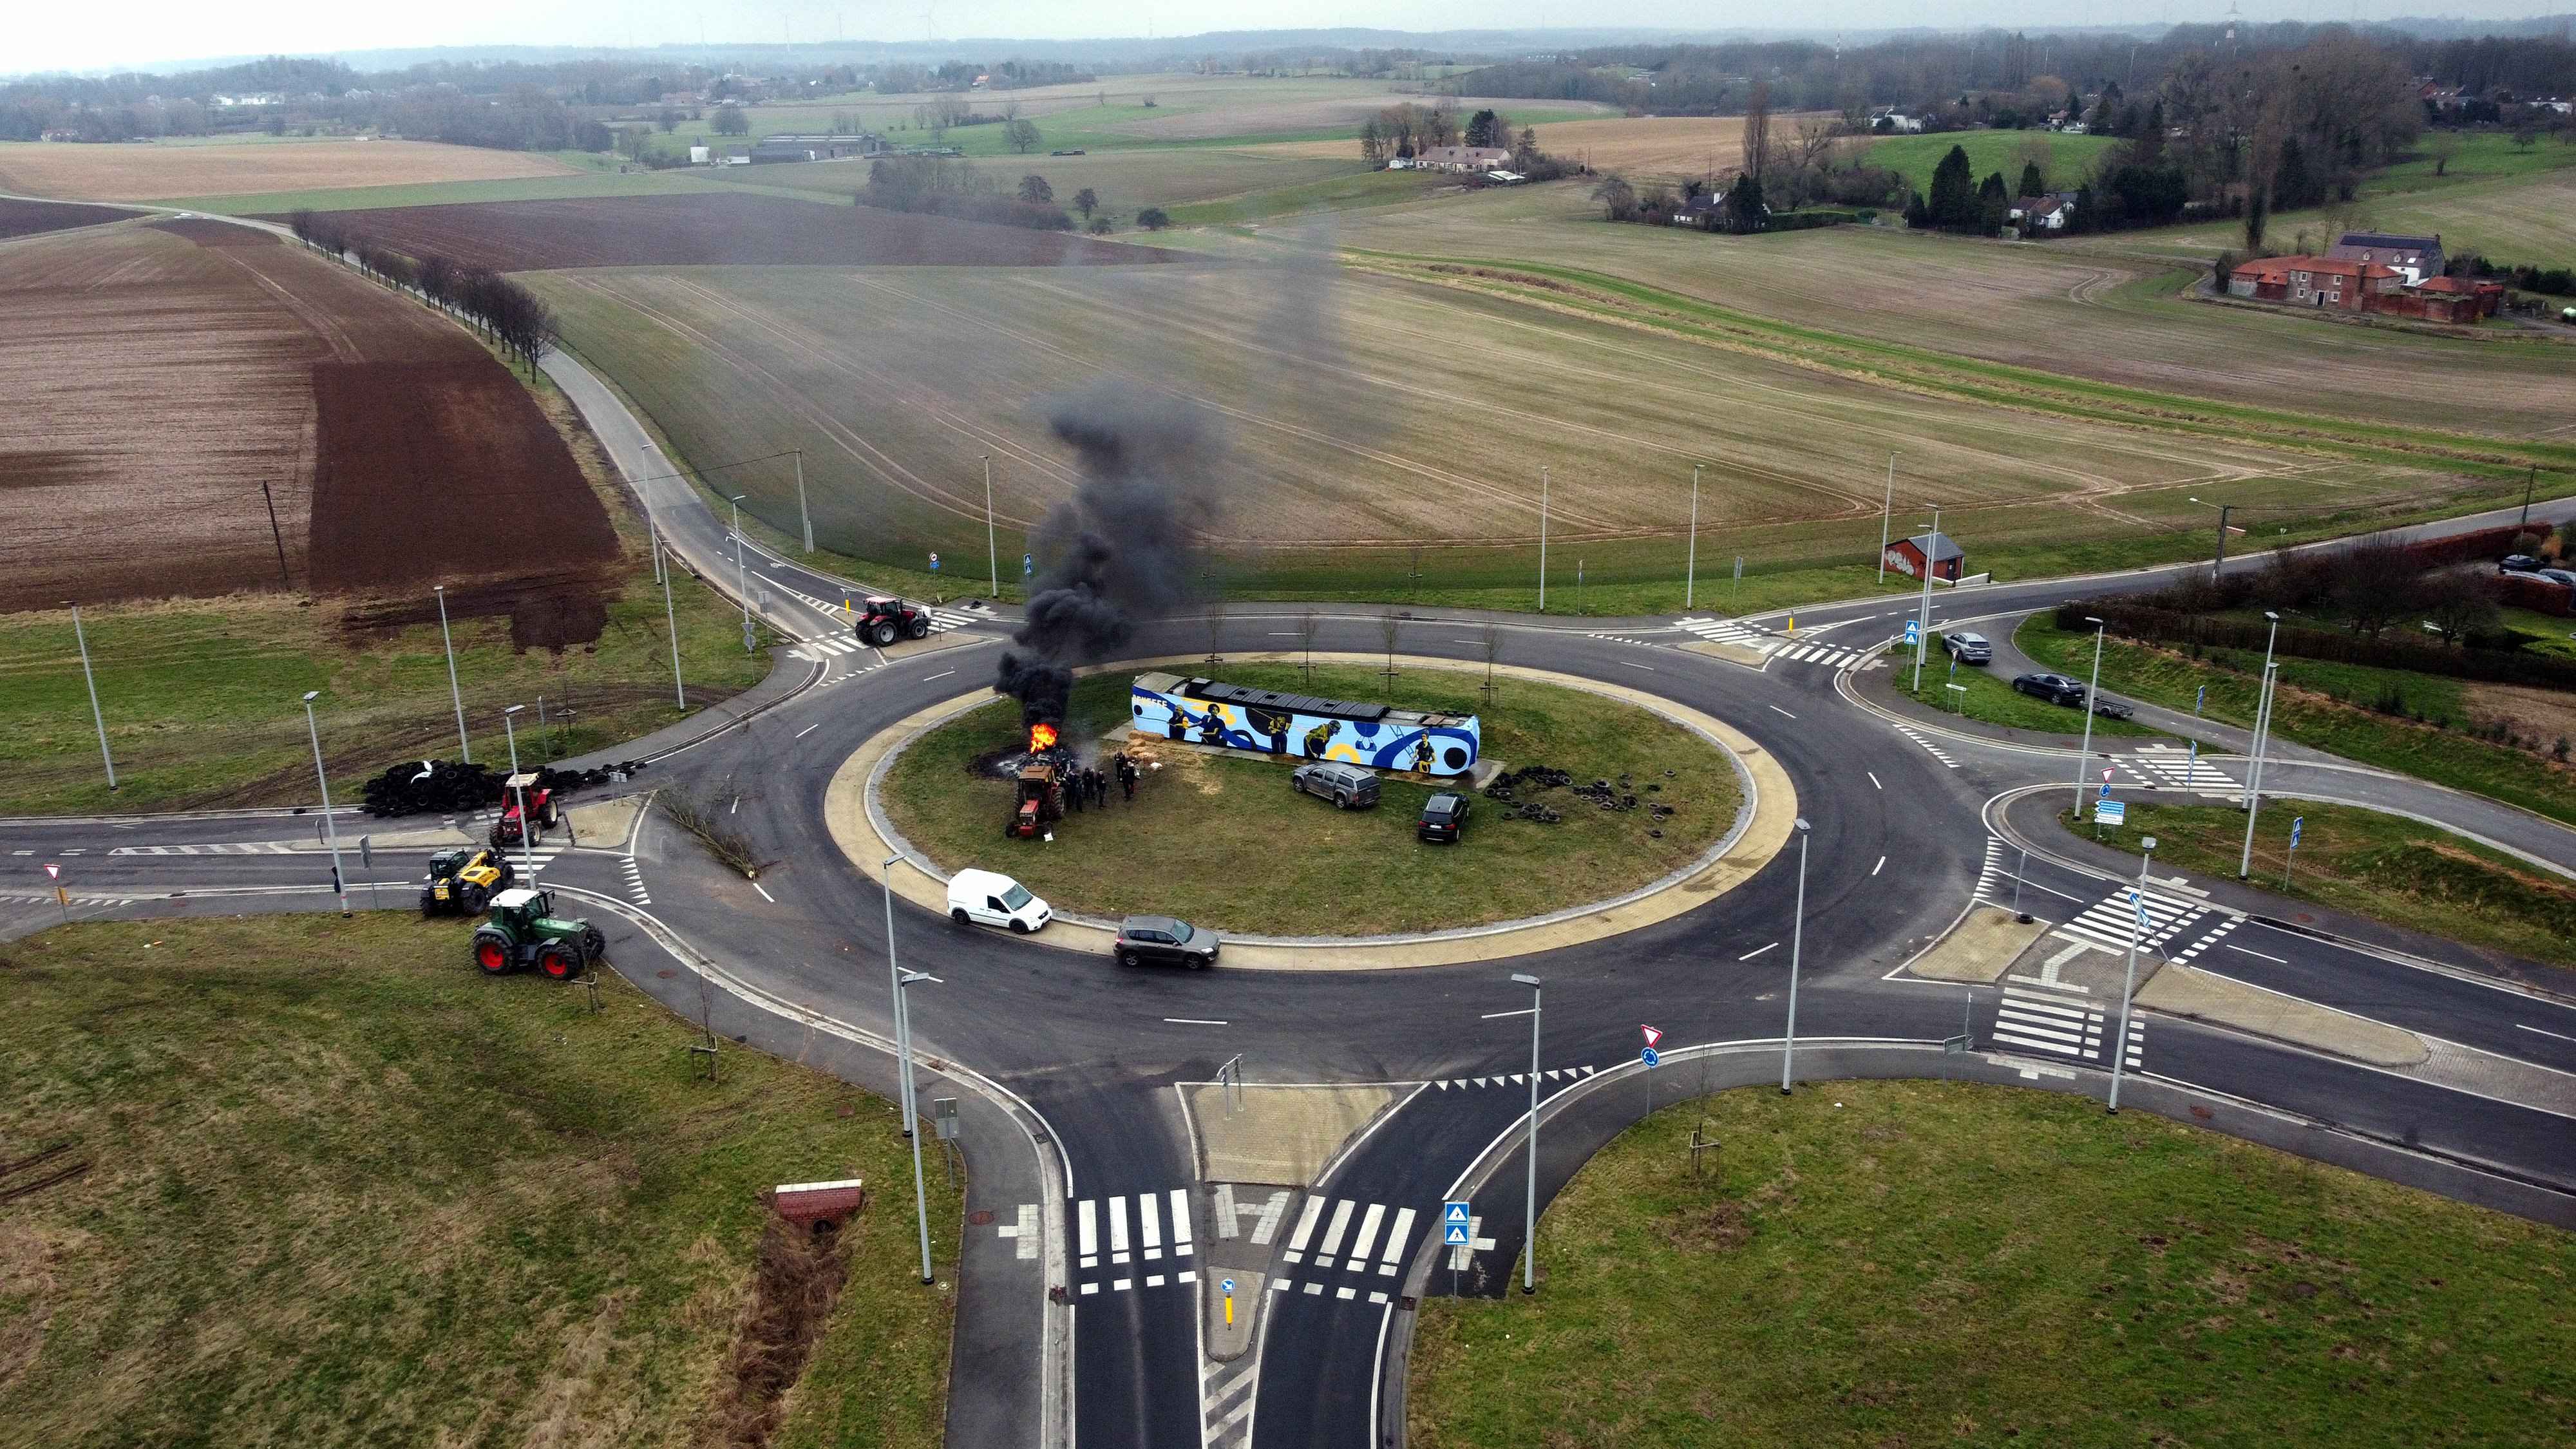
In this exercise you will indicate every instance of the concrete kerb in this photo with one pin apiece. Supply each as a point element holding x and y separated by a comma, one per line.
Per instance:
<point>859,826</point>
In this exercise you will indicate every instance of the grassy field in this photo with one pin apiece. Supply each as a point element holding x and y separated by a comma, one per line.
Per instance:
<point>201,697</point>
<point>144,171</point>
<point>1376,429</point>
<point>2067,161</point>
<point>344,1189</point>
<point>1169,177</point>
<point>2383,867</point>
<point>1346,873</point>
<point>1870,1264</point>
<point>1989,697</point>
<point>2324,705</point>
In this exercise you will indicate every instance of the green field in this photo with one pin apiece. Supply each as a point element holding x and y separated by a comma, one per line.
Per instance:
<point>2383,867</point>
<point>2067,160</point>
<point>344,1189</point>
<point>2324,705</point>
<point>1347,873</point>
<point>1905,1263</point>
<point>202,697</point>
<point>1989,698</point>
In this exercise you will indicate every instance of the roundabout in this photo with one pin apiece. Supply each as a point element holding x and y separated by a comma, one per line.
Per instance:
<point>1513,886</point>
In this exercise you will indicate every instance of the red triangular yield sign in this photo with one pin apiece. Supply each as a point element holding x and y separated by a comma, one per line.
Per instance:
<point>1654,1034</point>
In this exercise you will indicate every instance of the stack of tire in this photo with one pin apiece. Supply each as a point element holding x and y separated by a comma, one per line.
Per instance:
<point>438,786</point>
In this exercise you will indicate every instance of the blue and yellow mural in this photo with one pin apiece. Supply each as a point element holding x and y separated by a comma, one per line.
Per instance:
<point>1308,727</point>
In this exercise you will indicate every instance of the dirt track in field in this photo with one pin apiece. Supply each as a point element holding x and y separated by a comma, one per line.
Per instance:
<point>163,373</point>
<point>148,170</point>
<point>718,229</point>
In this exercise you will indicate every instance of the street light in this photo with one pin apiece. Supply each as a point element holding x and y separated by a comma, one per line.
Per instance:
<point>802,516</point>
<point>2220,562</point>
<point>1542,540</point>
<point>92,681</point>
<point>1886,516</point>
<point>894,978</point>
<point>739,589</point>
<point>1529,1207</point>
<point>992,550</point>
<point>527,827</point>
<point>464,746</point>
<point>1923,620</point>
<point>671,626</point>
<point>2262,739</point>
<point>330,827</point>
<point>1690,570</point>
<point>903,1046</point>
<point>1797,944</point>
<point>2084,756</point>
<point>2129,978</point>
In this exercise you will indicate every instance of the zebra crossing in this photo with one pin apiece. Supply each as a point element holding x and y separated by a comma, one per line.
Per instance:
<point>2066,1026</point>
<point>2182,769</point>
<point>633,875</point>
<point>1514,1079</point>
<point>843,642</point>
<point>248,847</point>
<point>1377,1238</point>
<point>2113,922</point>
<point>531,862</point>
<point>1141,1256</point>
<point>1991,874</point>
<point>1787,649</point>
<point>1620,639</point>
<point>1225,1402</point>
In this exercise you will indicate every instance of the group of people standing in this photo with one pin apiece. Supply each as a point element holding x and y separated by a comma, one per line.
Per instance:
<point>1089,786</point>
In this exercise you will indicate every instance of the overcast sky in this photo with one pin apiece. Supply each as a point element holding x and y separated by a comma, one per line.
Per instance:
<point>71,36</point>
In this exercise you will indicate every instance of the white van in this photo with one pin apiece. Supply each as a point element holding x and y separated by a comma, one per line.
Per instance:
<point>983,897</point>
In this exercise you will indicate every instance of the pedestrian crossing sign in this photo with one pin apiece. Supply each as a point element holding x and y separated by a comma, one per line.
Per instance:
<point>1913,631</point>
<point>1454,1225</point>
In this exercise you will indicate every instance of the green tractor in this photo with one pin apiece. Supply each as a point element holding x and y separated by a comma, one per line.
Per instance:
<point>524,930</point>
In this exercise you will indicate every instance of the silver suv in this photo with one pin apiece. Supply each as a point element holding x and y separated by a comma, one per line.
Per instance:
<point>1969,648</point>
<point>1348,786</point>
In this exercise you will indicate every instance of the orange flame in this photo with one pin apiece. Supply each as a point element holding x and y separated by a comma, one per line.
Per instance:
<point>1041,737</point>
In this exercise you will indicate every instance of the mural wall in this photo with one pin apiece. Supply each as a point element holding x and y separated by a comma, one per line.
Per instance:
<point>1393,740</point>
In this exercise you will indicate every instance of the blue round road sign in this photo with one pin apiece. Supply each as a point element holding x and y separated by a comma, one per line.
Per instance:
<point>1227,1285</point>
<point>1651,1057</point>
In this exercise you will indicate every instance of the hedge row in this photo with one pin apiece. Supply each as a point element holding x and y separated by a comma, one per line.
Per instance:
<point>2165,626</point>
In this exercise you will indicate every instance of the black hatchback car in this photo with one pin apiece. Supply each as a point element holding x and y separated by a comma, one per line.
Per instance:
<point>1163,939</point>
<point>1444,818</point>
<point>2055,688</point>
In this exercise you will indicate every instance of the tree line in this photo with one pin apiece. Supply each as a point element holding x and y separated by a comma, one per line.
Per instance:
<point>501,309</point>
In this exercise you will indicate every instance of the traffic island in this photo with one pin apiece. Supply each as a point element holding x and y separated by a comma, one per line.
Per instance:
<point>1736,802</point>
<point>1980,948</point>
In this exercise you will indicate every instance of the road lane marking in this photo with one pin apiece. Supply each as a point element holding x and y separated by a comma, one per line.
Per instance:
<point>2232,946</point>
<point>1873,779</point>
<point>1756,951</point>
<point>764,895</point>
<point>1882,865</point>
<point>1650,669</point>
<point>1783,711</point>
<point>1193,1021</point>
<point>809,729</point>
<point>2536,1031</point>
<point>943,674</point>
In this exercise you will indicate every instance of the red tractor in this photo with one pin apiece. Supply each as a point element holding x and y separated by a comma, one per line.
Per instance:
<point>1041,799</point>
<point>883,620</point>
<point>540,805</point>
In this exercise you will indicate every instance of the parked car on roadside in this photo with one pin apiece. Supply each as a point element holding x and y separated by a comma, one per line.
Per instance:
<point>1444,818</point>
<point>2055,688</point>
<point>2517,563</point>
<point>1348,786</point>
<point>1969,648</point>
<point>989,898</point>
<point>2556,576</point>
<point>2109,708</point>
<point>1166,940</point>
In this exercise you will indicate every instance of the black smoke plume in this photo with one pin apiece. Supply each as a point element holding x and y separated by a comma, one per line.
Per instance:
<point>1120,552</point>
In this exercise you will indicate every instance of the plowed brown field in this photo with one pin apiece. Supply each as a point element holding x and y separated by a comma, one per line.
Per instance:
<point>27,218</point>
<point>708,230</point>
<point>145,170</point>
<point>160,374</point>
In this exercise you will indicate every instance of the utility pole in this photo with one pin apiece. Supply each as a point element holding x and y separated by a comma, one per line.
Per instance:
<point>2129,978</point>
<point>2220,562</point>
<point>91,680</point>
<point>2529,482</point>
<point>1690,569</point>
<point>992,551</point>
<point>1529,1208</point>
<point>1797,943</point>
<point>464,746</point>
<point>2084,756</point>
<point>1886,517</point>
<point>2262,737</point>
<point>1923,620</point>
<point>670,626</point>
<point>1542,540</point>
<point>331,827</point>
<point>740,589</point>
<point>527,826</point>
<point>802,516</point>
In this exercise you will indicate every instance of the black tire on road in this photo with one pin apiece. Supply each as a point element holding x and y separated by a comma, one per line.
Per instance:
<point>558,961</point>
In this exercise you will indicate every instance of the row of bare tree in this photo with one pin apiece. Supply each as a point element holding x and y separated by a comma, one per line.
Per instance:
<point>501,309</point>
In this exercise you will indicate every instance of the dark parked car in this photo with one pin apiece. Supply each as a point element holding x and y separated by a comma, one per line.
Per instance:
<point>1348,786</point>
<point>1444,818</point>
<point>1161,938</point>
<point>2055,688</point>
<point>2517,563</point>
<point>2556,576</point>
<point>1969,648</point>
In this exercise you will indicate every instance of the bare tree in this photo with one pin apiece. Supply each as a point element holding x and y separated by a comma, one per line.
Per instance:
<point>2377,584</point>
<point>1491,637</point>
<point>1757,128</point>
<point>2460,604</point>
<point>1215,626</point>
<point>1307,624</point>
<point>1389,625</point>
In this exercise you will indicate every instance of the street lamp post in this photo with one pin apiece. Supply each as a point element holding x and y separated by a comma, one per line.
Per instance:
<point>1542,540</point>
<point>2084,756</point>
<point>2129,978</point>
<point>1529,1204</point>
<point>894,979</point>
<point>903,1044</point>
<point>330,827</point>
<point>739,588</point>
<point>670,626</point>
<point>1923,619</point>
<point>464,746</point>
<point>2262,739</point>
<point>802,516</point>
<point>91,680</point>
<point>1797,944</point>
<point>1886,516</point>
<point>2220,562</point>
<point>527,827</point>
<point>992,550</point>
<point>1690,569</point>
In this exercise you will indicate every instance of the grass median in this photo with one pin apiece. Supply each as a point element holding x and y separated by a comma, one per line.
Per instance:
<point>1225,841</point>
<point>345,1189</point>
<point>2310,709</point>
<point>1989,698</point>
<point>2383,867</point>
<point>1886,1263</point>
